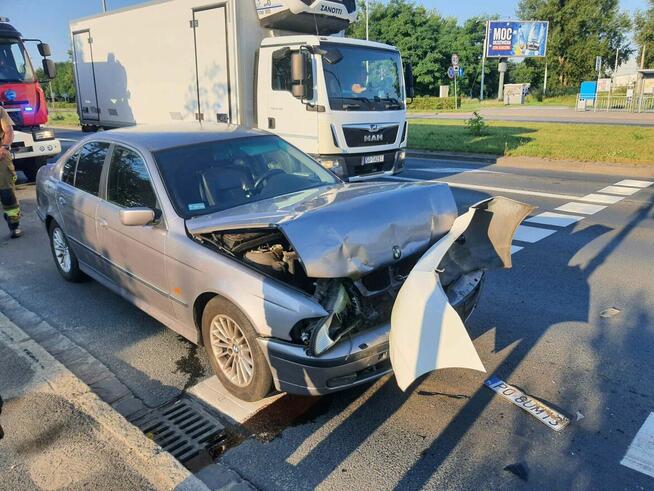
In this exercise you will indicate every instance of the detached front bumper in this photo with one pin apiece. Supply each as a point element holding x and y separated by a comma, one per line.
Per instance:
<point>26,147</point>
<point>355,360</point>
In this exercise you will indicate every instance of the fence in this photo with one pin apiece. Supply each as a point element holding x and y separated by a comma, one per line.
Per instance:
<point>614,102</point>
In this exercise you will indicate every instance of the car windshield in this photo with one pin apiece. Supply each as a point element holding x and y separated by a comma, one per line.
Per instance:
<point>215,176</point>
<point>362,78</point>
<point>14,63</point>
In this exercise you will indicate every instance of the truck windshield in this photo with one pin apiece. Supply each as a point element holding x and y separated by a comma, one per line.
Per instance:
<point>14,63</point>
<point>215,176</point>
<point>363,78</point>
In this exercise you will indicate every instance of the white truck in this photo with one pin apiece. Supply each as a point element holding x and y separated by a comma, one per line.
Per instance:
<point>278,65</point>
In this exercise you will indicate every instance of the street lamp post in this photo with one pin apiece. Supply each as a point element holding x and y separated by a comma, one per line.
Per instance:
<point>367,18</point>
<point>104,5</point>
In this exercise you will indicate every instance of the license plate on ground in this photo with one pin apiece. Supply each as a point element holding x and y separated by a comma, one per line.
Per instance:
<point>373,159</point>
<point>536,408</point>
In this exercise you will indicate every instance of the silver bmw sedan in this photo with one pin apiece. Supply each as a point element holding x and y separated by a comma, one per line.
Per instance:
<point>290,278</point>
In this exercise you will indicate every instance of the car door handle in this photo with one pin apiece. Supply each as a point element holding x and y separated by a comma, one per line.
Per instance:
<point>62,201</point>
<point>103,223</point>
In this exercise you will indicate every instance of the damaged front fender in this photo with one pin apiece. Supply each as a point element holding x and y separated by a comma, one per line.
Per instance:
<point>426,331</point>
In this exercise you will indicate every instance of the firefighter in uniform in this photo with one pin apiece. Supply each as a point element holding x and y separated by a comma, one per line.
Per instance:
<point>8,199</point>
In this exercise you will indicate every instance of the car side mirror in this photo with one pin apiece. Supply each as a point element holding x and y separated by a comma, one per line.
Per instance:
<point>299,74</point>
<point>44,49</point>
<point>135,217</point>
<point>49,68</point>
<point>408,80</point>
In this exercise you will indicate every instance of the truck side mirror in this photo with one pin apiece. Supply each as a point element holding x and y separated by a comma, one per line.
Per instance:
<point>299,74</point>
<point>44,49</point>
<point>49,68</point>
<point>408,80</point>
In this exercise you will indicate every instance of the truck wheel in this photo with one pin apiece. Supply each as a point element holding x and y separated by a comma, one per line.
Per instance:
<point>235,356</point>
<point>63,255</point>
<point>31,166</point>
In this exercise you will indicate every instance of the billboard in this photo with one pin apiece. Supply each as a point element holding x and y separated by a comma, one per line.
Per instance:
<point>516,39</point>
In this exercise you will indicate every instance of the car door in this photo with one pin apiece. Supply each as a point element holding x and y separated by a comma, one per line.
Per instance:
<point>77,199</point>
<point>133,255</point>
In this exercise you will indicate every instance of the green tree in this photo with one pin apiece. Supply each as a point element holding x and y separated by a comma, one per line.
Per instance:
<point>414,30</point>
<point>428,40</point>
<point>644,34</point>
<point>579,31</point>
<point>63,85</point>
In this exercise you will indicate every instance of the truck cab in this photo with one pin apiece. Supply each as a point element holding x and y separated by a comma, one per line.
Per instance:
<point>24,100</point>
<point>341,100</point>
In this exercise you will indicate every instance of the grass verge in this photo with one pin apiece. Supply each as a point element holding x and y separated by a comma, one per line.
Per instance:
<point>63,117</point>
<point>588,143</point>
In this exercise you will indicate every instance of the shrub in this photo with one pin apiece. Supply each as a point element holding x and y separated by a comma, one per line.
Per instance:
<point>476,124</point>
<point>429,103</point>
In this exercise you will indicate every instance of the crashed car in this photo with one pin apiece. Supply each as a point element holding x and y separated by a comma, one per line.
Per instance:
<point>288,276</point>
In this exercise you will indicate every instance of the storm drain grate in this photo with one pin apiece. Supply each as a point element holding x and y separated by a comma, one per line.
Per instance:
<point>182,428</point>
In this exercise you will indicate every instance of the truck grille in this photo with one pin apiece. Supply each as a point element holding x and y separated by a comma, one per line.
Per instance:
<point>363,137</point>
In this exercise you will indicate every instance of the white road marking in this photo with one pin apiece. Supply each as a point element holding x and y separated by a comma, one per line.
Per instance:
<point>634,183</point>
<point>515,248</point>
<point>640,455</point>
<point>531,234</point>
<point>453,170</point>
<point>622,191</point>
<point>556,219</point>
<point>583,208</point>
<point>601,198</point>
<point>566,197</point>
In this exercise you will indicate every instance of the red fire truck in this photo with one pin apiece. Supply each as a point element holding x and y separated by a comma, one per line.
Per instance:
<point>23,98</point>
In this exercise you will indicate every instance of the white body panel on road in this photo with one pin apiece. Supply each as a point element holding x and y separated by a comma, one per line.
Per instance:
<point>227,61</point>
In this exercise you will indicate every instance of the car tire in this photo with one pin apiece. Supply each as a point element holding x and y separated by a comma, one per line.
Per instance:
<point>63,255</point>
<point>235,356</point>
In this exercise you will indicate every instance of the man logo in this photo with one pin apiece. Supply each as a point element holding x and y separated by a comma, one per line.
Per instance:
<point>373,138</point>
<point>373,128</point>
<point>397,252</point>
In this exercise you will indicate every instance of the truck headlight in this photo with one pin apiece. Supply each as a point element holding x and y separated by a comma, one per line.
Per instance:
<point>334,164</point>
<point>43,135</point>
<point>400,157</point>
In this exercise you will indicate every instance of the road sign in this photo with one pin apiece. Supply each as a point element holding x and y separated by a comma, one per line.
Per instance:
<point>598,63</point>
<point>455,59</point>
<point>460,71</point>
<point>450,72</point>
<point>455,71</point>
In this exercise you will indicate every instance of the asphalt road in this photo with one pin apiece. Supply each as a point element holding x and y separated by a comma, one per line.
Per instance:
<point>538,326</point>
<point>548,114</point>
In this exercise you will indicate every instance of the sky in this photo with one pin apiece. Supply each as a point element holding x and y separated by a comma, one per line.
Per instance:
<point>48,19</point>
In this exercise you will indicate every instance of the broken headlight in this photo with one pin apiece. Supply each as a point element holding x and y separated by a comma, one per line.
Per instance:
<point>335,326</point>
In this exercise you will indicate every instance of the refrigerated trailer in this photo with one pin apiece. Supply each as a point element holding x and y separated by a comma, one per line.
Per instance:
<point>281,66</point>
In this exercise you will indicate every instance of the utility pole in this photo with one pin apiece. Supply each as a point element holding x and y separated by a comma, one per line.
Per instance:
<point>367,19</point>
<point>483,64</point>
<point>502,67</point>
<point>104,5</point>
<point>545,80</point>
<point>642,57</point>
<point>615,68</point>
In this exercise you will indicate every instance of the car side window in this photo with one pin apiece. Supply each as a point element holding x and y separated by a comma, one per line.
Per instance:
<point>68,171</point>
<point>89,167</point>
<point>129,183</point>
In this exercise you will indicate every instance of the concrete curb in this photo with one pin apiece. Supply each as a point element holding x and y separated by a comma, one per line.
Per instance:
<point>146,457</point>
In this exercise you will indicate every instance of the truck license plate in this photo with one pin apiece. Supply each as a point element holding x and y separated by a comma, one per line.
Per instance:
<point>373,159</point>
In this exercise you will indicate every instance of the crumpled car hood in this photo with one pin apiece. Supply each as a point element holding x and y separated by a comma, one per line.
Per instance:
<point>347,230</point>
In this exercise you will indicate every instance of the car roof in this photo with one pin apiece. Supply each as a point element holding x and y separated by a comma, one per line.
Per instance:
<point>159,137</point>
